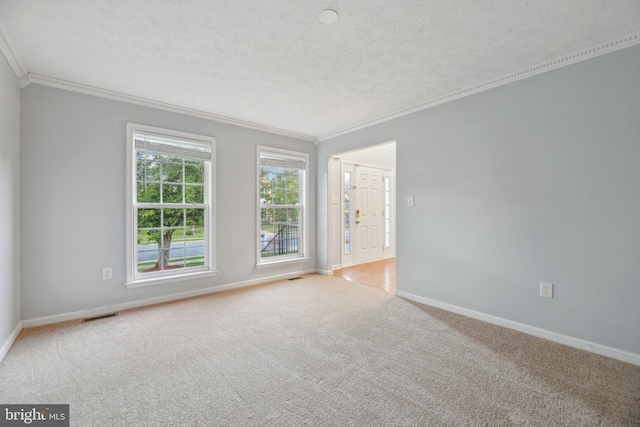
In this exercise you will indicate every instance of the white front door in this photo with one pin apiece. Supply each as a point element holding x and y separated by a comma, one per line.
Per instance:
<point>368,214</point>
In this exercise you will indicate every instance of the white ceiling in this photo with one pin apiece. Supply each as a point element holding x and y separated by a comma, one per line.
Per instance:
<point>273,63</point>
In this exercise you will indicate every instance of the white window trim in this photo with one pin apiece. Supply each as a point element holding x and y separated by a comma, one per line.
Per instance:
<point>134,281</point>
<point>283,260</point>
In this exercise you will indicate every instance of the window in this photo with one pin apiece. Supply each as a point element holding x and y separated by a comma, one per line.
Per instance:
<point>170,205</point>
<point>387,212</point>
<point>282,201</point>
<point>347,212</point>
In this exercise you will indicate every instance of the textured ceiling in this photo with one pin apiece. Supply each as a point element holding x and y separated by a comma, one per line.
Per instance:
<point>275,64</point>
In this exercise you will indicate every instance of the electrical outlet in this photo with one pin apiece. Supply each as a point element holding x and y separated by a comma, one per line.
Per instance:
<point>546,290</point>
<point>107,273</point>
<point>410,201</point>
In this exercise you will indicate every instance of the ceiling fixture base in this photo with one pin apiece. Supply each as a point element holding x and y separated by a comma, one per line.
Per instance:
<point>328,16</point>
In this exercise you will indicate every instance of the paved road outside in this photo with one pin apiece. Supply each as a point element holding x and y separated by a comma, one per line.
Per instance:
<point>195,248</point>
<point>150,252</point>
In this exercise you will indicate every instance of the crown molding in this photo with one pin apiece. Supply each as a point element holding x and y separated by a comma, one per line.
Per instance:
<point>131,99</point>
<point>563,61</point>
<point>10,53</point>
<point>25,78</point>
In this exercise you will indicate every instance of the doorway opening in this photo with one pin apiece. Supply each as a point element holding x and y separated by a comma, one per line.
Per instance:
<point>362,212</point>
<point>377,274</point>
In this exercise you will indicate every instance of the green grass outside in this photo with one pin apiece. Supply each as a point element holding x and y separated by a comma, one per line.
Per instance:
<point>189,258</point>
<point>189,264</point>
<point>270,254</point>
<point>271,228</point>
<point>195,264</point>
<point>178,235</point>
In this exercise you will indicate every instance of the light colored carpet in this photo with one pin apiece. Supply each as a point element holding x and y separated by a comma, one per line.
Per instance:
<point>315,351</point>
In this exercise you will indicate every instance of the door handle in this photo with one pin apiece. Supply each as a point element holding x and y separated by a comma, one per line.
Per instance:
<point>357,222</point>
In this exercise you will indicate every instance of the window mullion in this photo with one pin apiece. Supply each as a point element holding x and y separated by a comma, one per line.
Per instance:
<point>171,205</point>
<point>281,206</point>
<point>184,181</point>
<point>160,180</point>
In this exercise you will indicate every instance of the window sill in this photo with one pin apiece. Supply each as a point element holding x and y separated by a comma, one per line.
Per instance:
<point>281,262</point>
<point>169,279</point>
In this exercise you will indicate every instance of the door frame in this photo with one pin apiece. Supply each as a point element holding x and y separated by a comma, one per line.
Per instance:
<point>337,167</point>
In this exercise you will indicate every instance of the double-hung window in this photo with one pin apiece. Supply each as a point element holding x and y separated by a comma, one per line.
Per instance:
<point>282,202</point>
<point>170,192</point>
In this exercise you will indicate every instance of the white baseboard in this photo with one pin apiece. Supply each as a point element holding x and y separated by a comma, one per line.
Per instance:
<point>325,272</point>
<point>9,342</point>
<point>99,311</point>
<point>603,350</point>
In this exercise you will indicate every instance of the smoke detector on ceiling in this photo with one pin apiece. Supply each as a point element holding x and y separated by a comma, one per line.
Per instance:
<point>328,16</point>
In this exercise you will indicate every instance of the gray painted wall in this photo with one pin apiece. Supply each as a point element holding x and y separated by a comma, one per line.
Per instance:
<point>537,180</point>
<point>73,200</point>
<point>9,202</point>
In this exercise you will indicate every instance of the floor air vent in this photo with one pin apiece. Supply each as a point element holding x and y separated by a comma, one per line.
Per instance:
<point>295,278</point>
<point>104,316</point>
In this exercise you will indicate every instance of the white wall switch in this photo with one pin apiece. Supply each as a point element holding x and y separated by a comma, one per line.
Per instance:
<point>410,201</point>
<point>107,273</point>
<point>546,290</point>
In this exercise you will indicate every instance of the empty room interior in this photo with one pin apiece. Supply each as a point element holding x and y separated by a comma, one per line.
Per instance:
<point>320,213</point>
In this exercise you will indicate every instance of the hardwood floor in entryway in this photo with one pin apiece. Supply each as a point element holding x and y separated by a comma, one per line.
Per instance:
<point>378,274</point>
